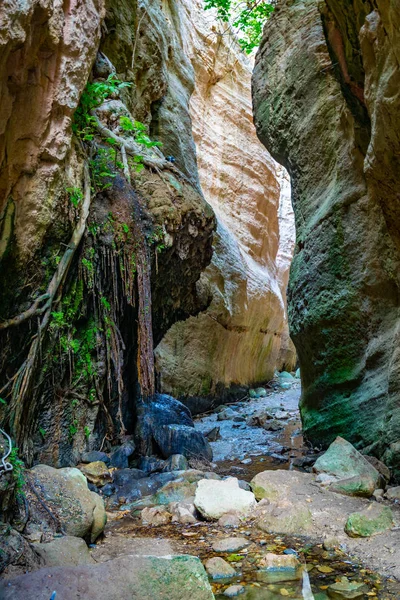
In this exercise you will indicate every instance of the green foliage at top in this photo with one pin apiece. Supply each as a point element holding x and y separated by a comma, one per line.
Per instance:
<point>18,470</point>
<point>246,17</point>
<point>94,94</point>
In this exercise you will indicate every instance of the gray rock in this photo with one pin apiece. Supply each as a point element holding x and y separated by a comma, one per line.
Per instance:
<point>66,551</point>
<point>215,498</point>
<point>218,568</point>
<point>119,456</point>
<point>226,414</point>
<point>393,493</point>
<point>151,464</point>
<point>231,544</point>
<point>234,590</point>
<point>129,577</point>
<point>229,520</point>
<point>157,515</point>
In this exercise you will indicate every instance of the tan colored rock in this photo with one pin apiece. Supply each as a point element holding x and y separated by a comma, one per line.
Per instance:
<point>157,515</point>
<point>242,337</point>
<point>96,472</point>
<point>66,551</point>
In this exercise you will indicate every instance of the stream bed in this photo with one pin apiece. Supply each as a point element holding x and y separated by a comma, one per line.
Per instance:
<point>242,451</point>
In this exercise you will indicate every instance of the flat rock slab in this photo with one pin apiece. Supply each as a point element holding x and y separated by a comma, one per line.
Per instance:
<point>231,544</point>
<point>130,578</point>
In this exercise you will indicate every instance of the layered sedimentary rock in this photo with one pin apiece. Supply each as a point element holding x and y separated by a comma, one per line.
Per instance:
<point>69,370</point>
<point>243,336</point>
<point>327,102</point>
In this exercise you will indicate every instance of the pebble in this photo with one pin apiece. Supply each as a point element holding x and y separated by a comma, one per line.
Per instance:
<point>234,590</point>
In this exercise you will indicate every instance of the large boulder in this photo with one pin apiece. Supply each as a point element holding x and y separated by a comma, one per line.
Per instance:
<point>181,439</point>
<point>215,498</point>
<point>129,577</point>
<point>154,413</point>
<point>353,474</point>
<point>65,492</point>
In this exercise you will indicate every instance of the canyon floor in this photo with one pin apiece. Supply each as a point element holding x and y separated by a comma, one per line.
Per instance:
<point>243,451</point>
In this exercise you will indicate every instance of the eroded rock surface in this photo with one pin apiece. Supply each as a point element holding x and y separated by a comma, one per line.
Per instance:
<point>326,97</point>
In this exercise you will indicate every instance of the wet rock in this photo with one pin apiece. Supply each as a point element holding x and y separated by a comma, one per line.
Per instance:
<point>273,425</point>
<point>66,551</point>
<point>215,498</point>
<point>96,472</point>
<point>144,577</point>
<point>151,464</point>
<point>213,435</point>
<point>393,494</point>
<point>297,374</point>
<point>80,512</point>
<point>234,590</point>
<point>259,419</point>
<point>108,490</point>
<point>231,544</point>
<point>146,486</point>
<point>226,414</point>
<point>176,462</point>
<point>218,568</point>
<point>285,375</point>
<point>155,413</point>
<point>181,439</point>
<point>158,515</point>
<point>380,467</point>
<point>373,520</point>
<point>281,414</point>
<point>183,512</point>
<point>125,477</point>
<point>239,419</point>
<point>354,475</point>
<point>229,520</point>
<point>119,457</point>
<point>95,456</point>
<point>347,590</point>
<point>274,568</point>
<point>258,393</point>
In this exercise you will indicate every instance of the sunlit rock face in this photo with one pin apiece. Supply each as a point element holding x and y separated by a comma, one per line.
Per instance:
<point>326,90</point>
<point>243,336</point>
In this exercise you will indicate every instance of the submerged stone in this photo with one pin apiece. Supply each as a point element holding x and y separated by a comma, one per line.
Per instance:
<point>275,568</point>
<point>347,590</point>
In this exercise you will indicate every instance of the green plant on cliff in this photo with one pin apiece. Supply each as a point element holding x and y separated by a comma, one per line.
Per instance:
<point>247,18</point>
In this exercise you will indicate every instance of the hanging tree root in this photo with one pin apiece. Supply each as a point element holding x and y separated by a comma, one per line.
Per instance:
<point>22,379</point>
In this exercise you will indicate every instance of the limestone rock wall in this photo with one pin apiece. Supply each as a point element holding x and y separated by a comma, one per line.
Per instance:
<point>327,98</point>
<point>79,391</point>
<point>243,336</point>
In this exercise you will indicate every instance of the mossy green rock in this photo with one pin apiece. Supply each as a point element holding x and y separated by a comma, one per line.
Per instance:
<point>355,475</point>
<point>371,521</point>
<point>129,577</point>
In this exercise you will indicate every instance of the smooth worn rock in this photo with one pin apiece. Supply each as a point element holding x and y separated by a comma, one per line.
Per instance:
<point>274,568</point>
<point>95,456</point>
<point>129,577</point>
<point>393,493</point>
<point>158,515</point>
<point>218,568</point>
<point>80,512</point>
<point>234,590</point>
<point>355,476</point>
<point>229,520</point>
<point>97,473</point>
<point>372,520</point>
<point>181,439</point>
<point>176,462</point>
<point>215,498</point>
<point>66,551</point>
<point>285,517</point>
<point>231,544</point>
<point>175,491</point>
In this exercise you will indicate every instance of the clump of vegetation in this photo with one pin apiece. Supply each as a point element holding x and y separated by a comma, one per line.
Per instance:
<point>246,18</point>
<point>18,470</point>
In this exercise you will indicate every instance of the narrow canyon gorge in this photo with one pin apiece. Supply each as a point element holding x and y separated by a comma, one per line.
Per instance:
<point>199,299</point>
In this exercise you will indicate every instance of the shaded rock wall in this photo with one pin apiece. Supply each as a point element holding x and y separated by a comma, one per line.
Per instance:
<point>239,339</point>
<point>83,383</point>
<point>327,99</point>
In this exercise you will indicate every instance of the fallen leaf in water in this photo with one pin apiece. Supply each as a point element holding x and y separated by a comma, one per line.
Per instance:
<point>324,569</point>
<point>323,587</point>
<point>283,592</point>
<point>188,533</point>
